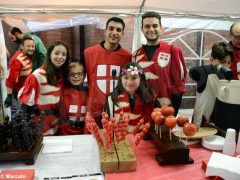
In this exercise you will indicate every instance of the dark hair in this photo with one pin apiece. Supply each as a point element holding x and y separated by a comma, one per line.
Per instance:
<point>116,19</point>
<point>145,91</point>
<point>151,14</point>
<point>231,28</point>
<point>26,38</point>
<point>13,30</point>
<point>50,67</point>
<point>220,50</point>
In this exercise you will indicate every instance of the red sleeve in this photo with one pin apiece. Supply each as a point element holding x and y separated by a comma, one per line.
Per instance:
<point>14,71</point>
<point>30,91</point>
<point>63,104</point>
<point>178,71</point>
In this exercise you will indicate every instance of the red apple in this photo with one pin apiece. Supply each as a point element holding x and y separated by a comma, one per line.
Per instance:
<point>170,122</point>
<point>167,110</point>
<point>157,109</point>
<point>189,129</point>
<point>159,120</point>
<point>156,115</point>
<point>181,120</point>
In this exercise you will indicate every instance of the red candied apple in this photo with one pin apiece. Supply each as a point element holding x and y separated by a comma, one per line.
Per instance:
<point>157,109</point>
<point>159,120</point>
<point>155,115</point>
<point>189,129</point>
<point>181,120</point>
<point>167,110</point>
<point>170,122</point>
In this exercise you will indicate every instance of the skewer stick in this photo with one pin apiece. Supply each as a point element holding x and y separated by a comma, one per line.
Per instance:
<point>160,132</point>
<point>186,141</point>
<point>180,134</point>
<point>170,134</point>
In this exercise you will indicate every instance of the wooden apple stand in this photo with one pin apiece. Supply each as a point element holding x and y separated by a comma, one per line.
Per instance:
<point>118,158</point>
<point>28,157</point>
<point>170,152</point>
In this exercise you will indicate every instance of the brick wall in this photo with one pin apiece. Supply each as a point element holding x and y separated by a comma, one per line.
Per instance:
<point>93,35</point>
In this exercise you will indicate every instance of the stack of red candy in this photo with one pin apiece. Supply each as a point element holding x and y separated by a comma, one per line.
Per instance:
<point>113,129</point>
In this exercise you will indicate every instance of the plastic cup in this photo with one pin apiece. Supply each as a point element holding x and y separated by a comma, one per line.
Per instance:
<point>230,142</point>
<point>230,136</point>
<point>238,143</point>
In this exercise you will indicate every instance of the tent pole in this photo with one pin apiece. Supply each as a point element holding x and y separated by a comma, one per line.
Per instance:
<point>3,74</point>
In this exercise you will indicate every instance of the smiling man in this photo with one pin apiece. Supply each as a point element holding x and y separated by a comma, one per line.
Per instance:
<point>235,43</point>
<point>163,63</point>
<point>20,66</point>
<point>103,63</point>
<point>16,36</point>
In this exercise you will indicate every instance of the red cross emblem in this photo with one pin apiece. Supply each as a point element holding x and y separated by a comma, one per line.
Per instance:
<point>163,59</point>
<point>105,80</point>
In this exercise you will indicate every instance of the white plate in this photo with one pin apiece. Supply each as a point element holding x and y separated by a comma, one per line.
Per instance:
<point>213,142</point>
<point>190,142</point>
<point>201,133</point>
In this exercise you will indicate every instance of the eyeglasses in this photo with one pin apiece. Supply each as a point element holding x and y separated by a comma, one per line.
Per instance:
<point>76,74</point>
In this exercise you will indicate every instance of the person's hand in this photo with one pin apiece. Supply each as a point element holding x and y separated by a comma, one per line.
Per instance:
<point>228,75</point>
<point>226,72</point>
<point>8,101</point>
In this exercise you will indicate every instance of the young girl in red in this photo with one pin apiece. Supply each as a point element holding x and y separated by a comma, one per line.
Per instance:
<point>42,89</point>
<point>132,96</point>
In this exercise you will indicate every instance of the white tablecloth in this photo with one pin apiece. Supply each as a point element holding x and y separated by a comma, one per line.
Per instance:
<point>83,162</point>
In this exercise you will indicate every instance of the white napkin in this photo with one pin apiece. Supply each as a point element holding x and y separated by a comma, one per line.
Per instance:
<point>57,146</point>
<point>227,167</point>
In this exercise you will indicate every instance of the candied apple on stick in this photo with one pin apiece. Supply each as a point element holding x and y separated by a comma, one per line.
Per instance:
<point>189,129</point>
<point>170,122</point>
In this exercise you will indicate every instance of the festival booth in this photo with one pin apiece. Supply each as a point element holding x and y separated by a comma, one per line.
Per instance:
<point>208,20</point>
<point>179,19</point>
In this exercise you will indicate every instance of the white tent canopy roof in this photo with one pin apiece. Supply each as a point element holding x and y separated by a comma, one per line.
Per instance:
<point>210,8</point>
<point>63,13</point>
<point>32,15</point>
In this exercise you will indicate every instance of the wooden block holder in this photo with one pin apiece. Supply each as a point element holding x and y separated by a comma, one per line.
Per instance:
<point>170,152</point>
<point>119,159</point>
<point>29,157</point>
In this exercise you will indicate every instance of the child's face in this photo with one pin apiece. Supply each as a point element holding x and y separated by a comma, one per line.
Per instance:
<point>226,62</point>
<point>59,56</point>
<point>130,82</point>
<point>76,75</point>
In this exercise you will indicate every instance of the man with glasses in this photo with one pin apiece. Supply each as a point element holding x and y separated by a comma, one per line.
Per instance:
<point>235,42</point>
<point>73,101</point>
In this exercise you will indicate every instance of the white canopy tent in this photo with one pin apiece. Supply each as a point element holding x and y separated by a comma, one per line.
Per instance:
<point>205,8</point>
<point>212,13</point>
<point>32,15</point>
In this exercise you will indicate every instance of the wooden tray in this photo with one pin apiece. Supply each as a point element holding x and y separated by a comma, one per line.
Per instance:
<point>29,157</point>
<point>202,132</point>
<point>170,152</point>
<point>119,158</point>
